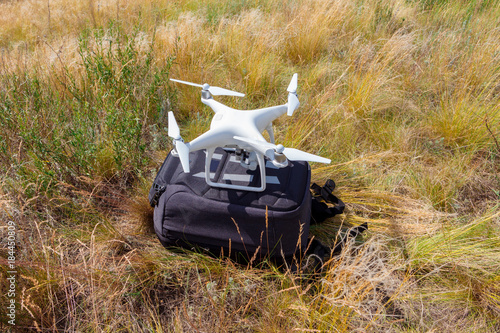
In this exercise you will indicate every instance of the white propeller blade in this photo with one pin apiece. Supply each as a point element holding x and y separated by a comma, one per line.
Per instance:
<point>183,151</point>
<point>292,87</point>
<point>188,83</point>
<point>216,91</point>
<point>298,155</point>
<point>293,100</point>
<point>181,148</point>
<point>293,103</point>
<point>173,128</point>
<point>291,153</point>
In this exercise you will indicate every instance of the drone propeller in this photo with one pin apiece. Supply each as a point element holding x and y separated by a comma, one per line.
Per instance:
<point>298,155</point>
<point>181,148</point>
<point>216,91</point>
<point>291,153</point>
<point>293,103</point>
<point>173,129</point>
<point>292,87</point>
<point>293,100</point>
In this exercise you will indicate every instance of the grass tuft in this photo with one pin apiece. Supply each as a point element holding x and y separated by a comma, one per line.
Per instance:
<point>403,96</point>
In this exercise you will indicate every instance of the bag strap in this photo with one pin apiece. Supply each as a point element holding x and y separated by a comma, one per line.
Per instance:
<point>322,196</point>
<point>323,206</point>
<point>318,251</point>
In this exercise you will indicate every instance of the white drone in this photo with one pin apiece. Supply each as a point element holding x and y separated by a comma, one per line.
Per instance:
<point>241,131</point>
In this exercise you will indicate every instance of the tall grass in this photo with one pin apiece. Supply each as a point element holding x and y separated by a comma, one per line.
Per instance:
<point>403,96</point>
<point>83,124</point>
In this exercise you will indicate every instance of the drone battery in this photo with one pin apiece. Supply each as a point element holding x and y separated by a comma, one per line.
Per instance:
<point>248,225</point>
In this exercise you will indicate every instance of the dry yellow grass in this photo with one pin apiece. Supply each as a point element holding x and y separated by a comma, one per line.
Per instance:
<point>403,96</point>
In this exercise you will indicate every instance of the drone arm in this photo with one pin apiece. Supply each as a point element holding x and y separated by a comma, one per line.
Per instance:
<point>214,105</point>
<point>211,138</point>
<point>264,117</point>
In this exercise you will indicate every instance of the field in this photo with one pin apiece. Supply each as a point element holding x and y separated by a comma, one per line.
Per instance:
<point>402,95</point>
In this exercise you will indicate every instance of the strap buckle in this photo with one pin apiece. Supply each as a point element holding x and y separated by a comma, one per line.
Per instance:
<point>159,189</point>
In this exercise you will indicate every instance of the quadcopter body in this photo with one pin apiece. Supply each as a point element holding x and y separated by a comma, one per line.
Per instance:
<point>241,131</point>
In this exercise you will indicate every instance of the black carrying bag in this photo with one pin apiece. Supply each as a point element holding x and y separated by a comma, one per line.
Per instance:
<point>247,225</point>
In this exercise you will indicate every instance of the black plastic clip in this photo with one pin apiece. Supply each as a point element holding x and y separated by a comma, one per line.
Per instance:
<point>159,189</point>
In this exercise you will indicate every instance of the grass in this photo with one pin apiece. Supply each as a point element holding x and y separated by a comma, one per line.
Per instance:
<point>403,96</point>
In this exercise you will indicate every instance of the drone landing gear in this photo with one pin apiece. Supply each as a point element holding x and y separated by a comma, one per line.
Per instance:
<point>249,161</point>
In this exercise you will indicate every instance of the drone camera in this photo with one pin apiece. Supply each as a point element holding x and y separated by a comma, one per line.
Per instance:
<point>247,159</point>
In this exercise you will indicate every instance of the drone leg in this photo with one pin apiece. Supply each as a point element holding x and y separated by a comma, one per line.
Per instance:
<point>208,161</point>
<point>262,165</point>
<point>270,131</point>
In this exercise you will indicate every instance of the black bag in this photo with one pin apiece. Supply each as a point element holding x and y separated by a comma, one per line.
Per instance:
<point>271,224</point>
